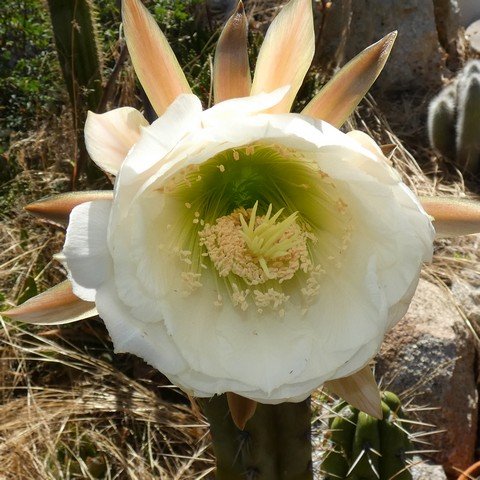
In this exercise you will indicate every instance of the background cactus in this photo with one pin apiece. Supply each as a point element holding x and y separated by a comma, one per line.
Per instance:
<point>366,448</point>
<point>78,47</point>
<point>454,119</point>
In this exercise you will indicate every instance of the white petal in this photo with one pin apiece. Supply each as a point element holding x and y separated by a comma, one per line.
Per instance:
<point>109,136</point>
<point>149,341</point>
<point>182,116</point>
<point>237,107</point>
<point>267,358</point>
<point>85,252</point>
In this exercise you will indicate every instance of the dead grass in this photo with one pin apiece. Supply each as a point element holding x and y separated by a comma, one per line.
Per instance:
<point>68,413</point>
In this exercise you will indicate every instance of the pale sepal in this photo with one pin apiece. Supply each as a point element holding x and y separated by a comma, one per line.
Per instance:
<point>57,208</point>
<point>153,59</point>
<point>286,53</point>
<point>340,96</point>
<point>453,217</point>
<point>58,305</point>
<point>360,390</point>
<point>242,409</point>
<point>109,136</point>
<point>231,69</point>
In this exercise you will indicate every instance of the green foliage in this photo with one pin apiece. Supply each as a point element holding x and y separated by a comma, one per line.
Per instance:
<point>364,447</point>
<point>29,88</point>
<point>454,119</point>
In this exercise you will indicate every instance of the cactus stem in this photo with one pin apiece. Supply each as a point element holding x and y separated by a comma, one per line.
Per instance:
<point>275,443</point>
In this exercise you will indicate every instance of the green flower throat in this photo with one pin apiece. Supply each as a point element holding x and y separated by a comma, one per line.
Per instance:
<point>264,220</point>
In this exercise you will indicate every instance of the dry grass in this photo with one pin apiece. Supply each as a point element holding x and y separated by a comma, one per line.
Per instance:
<point>68,413</point>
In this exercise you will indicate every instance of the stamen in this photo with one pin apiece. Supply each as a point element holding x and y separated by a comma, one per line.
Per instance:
<point>258,251</point>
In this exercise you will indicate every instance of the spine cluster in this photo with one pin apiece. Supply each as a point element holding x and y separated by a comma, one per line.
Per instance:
<point>366,448</point>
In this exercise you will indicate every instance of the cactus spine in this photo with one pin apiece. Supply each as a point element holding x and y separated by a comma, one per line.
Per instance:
<point>365,448</point>
<point>454,119</point>
<point>76,39</point>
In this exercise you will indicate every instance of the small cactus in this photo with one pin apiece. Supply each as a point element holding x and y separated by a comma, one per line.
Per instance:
<point>454,119</point>
<point>366,448</point>
<point>441,121</point>
<point>468,123</point>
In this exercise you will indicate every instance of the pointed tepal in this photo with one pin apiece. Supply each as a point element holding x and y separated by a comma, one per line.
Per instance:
<point>453,217</point>
<point>242,409</point>
<point>154,61</point>
<point>55,306</point>
<point>340,96</point>
<point>57,208</point>
<point>360,390</point>
<point>231,69</point>
<point>286,53</point>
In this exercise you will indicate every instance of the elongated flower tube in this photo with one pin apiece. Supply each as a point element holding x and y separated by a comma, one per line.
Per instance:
<point>244,251</point>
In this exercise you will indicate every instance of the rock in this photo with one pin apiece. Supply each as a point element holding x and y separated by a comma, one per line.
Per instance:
<point>431,354</point>
<point>472,33</point>
<point>429,38</point>
<point>450,35</point>
<point>416,60</point>
<point>427,471</point>
<point>466,291</point>
<point>469,11</point>
<point>332,22</point>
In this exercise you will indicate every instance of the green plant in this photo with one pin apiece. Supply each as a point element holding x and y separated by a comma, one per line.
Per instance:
<point>364,447</point>
<point>454,119</point>
<point>29,89</point>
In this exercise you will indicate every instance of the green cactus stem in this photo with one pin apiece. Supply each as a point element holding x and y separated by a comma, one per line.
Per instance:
<point>454,119</point>
<point>76,39</point>
<point>364,448</point>
<point>468,123</point>
<point>441,122</point>
<point>275,443</point>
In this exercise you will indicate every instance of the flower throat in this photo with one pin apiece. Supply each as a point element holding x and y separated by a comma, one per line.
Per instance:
<point>249,217</point>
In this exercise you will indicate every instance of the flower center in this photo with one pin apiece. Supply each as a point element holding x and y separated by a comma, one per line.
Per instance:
<point>257,248</point>
<point>257,225</point>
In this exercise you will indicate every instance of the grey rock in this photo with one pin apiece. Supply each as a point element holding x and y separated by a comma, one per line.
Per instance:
<point>472,34</point>
<point>469,11</point>
<point>427,471</point>
<point>431,354</point>
<point>416,60</point>
<point>332,22</point>
<point>430,40</point>
<point>466,291</point>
